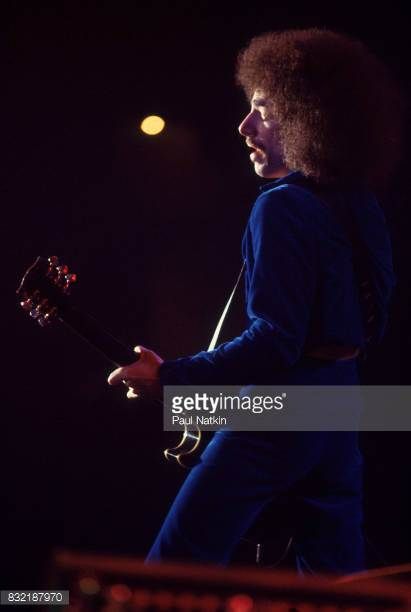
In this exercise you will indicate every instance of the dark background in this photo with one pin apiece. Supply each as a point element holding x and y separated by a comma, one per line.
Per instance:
<point>152,226</point>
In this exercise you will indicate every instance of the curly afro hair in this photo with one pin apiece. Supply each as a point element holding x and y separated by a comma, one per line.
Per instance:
<point>339,108</point>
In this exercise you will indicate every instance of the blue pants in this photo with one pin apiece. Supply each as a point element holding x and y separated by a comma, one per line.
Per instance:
<point>240,473</point>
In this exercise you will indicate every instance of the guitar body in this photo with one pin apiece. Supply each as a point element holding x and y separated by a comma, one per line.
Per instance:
<point>44,294</point>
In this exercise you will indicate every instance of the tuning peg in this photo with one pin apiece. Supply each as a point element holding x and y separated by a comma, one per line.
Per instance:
<point>27,304</point>
<point>62,270</point>
<point>69,280</point>
<point>59,275</point>
<point>55,270</point>
<point>30,301</point>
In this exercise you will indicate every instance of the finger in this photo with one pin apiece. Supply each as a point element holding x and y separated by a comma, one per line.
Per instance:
<point>117,376</point>
<point>131,394</point>
<point>138,349</point>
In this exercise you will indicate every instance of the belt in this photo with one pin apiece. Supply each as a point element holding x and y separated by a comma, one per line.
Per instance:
<point>334,352</point>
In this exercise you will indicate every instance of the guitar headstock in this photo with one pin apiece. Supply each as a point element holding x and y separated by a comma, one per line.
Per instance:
<point>44,289</point>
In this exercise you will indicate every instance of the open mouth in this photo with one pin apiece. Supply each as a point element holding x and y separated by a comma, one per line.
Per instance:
<point>257,153</point>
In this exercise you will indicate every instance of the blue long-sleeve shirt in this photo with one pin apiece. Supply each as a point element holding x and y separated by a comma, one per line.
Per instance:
<point>300,286</point>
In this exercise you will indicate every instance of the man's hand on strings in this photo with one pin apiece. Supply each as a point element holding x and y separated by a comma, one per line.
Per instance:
<point>141,377</point>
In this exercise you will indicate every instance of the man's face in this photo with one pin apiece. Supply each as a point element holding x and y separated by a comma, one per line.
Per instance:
<point>260,131</point>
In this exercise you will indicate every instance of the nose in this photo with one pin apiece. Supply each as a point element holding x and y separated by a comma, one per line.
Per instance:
<point>246,127</point>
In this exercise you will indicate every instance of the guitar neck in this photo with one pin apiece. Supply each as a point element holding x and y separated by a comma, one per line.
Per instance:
<point>90,330</point>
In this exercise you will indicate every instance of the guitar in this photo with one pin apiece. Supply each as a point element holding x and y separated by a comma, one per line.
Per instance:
<point>44,293</point>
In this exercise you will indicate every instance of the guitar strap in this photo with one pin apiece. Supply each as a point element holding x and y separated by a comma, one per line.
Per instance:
<point>216,334</point>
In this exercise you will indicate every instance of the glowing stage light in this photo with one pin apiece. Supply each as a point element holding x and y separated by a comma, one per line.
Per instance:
<point>152,125</point>
<point>89,585</point>
<point>120,593</point>
<point>240,603</point>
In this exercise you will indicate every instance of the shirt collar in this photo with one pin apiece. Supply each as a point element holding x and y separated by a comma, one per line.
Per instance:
<point>288,178</point>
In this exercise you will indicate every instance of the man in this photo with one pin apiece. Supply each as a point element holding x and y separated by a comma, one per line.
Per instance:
<point>324,123</point>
